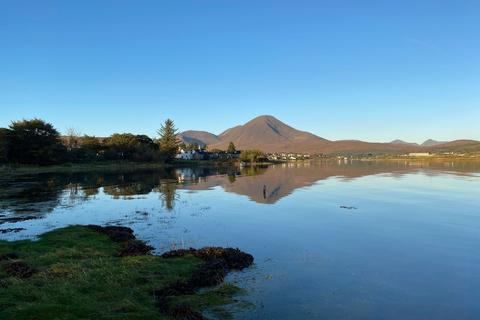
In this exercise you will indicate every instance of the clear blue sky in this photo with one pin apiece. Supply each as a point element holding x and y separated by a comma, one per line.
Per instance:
<point>371,70</point>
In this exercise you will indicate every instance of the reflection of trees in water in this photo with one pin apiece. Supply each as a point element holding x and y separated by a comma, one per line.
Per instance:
<point>201,174</point>
<point>168,194</point>
<point>73,195</point>
<point>28,196</point>
<point>253,170</point>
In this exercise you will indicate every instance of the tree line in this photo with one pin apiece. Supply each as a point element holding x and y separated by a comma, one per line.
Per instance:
<point>36,141</point>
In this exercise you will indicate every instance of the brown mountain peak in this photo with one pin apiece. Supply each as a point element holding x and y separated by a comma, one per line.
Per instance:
<point>269,134</point>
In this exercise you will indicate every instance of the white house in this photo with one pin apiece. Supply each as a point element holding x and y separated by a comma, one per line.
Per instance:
<point>419,154</point>
<point>185,155</point>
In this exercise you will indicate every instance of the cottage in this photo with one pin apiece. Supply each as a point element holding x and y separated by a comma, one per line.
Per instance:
<point>419,154</point>
<point>185,155</point>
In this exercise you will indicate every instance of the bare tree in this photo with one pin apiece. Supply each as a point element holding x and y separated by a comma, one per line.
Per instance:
<point>72,138</point>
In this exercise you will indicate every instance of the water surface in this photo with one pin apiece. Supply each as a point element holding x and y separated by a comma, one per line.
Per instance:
<point>336,240</point>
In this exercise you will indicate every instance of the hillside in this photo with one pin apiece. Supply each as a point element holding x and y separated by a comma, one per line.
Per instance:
<point>401,142</point>
<point>432,143</point>
<point>268,134</point>
<point>459,146</point>
<point>199,137</point>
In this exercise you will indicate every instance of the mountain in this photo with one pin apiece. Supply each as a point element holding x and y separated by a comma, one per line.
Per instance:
<point>431,143</point>
<point>459,146</point>
<point>200,137</point>
<point>265,133</point>
<point>356,147</point>
<point>398,141</point>
<point>269,134</point>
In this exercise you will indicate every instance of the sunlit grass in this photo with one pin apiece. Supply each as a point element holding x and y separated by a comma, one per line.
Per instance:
<point>78,276</point>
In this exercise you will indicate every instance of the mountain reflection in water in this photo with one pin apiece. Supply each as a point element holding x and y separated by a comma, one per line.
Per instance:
<point>331,240</point>
<point>32,196</point>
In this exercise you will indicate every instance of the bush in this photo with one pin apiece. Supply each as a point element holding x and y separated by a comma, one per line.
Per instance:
<point>250,155</point>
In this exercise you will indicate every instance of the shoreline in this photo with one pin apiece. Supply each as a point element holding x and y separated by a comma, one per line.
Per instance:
<point>86,263</point>
<point>131,166</point>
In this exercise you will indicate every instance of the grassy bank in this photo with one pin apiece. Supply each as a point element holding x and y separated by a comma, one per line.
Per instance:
<point>80,167</point>
<point>108,166</point>
<point>88,272</point>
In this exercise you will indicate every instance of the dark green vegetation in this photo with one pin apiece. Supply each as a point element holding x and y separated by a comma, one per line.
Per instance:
<point>92,272</point>
<point>32,142</point>
<point>36,142</point>
<point>252,156</point>
<point>168,141</point>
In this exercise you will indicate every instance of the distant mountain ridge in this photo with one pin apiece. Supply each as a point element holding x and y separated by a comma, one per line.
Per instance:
<point>268,134</point>
<point>398,141</point>
<point>432,143</point>
<point>199,137</point>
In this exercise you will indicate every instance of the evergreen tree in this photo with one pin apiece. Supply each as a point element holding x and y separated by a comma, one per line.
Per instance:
<point>168,141</point>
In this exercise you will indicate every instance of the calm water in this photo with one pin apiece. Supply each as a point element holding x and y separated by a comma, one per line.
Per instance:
<point>340,240</point>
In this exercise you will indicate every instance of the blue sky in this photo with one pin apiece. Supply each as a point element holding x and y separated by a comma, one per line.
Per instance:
<point>370,70</point>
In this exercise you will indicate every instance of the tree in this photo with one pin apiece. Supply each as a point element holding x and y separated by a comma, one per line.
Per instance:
<point>91,143</point>
<point>34,142</point>
<point>192,146</point>
<point>146,141</point>
<point>146,150</point>
<point>231,148</point>
<point>168,141</point>
<point>121,145</point>
<point>3,144</point>
<point>250,155</point>
<point>72,138</point>
<point>88,150</point>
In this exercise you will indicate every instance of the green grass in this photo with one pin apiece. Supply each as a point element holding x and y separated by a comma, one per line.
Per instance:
<point>80,167</point>
<point>79,277</point>
<point>106,166</point>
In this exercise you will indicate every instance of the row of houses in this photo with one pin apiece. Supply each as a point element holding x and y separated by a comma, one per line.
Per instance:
<point>428,154</point>
<point>202,154</point>
<point>288,156</point>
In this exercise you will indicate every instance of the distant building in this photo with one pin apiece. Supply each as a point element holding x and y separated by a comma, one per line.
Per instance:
<point>201,154</point>
<point>419,154</point>
<point>185,155</point>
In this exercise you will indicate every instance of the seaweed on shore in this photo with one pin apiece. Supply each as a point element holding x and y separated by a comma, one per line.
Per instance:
<point>218,262</point>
